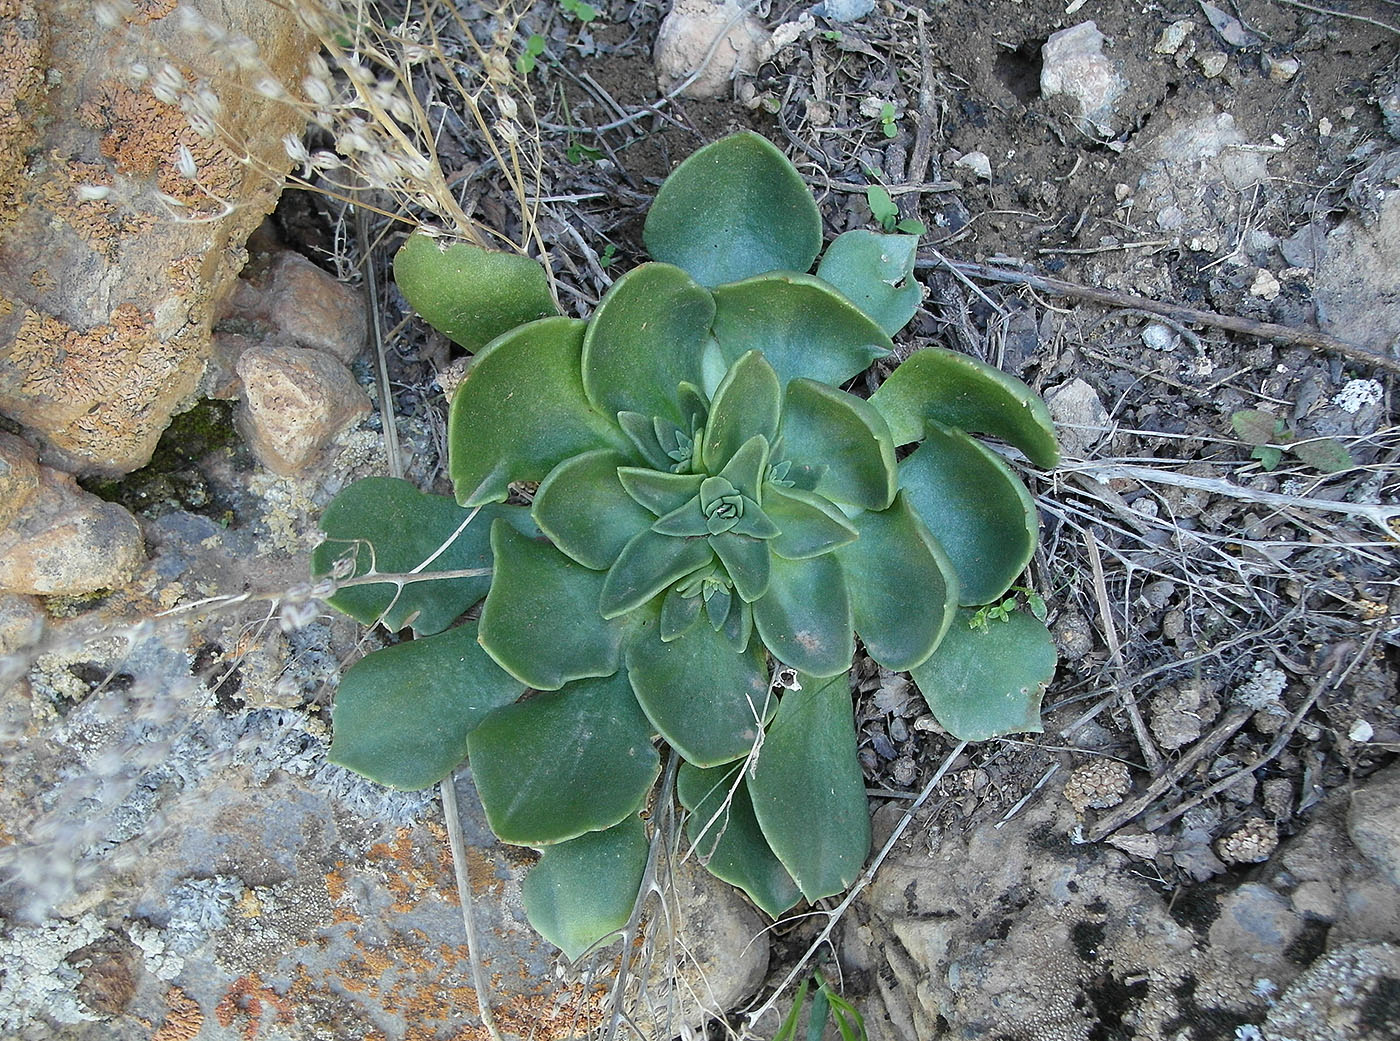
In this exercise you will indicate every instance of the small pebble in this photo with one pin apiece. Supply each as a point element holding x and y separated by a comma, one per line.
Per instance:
<point>1265,286</point>
<point>1173,36</point>
<point>1212,63</point>
<point>1159,337</point>
<point>1281,70</point>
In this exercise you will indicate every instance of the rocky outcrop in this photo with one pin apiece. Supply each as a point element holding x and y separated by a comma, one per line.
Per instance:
<point>111,256</point>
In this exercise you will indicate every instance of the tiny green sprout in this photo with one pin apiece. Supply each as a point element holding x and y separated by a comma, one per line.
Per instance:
<point>886,213</point>
<point>1271,438</point>
<point>580,153</point>
<point>887,123</point>
<point>714,527</point>
<point>999,612</point>
<point>584,12</point>
<point>534,47</point>
<point>608,257</point>
<point>832,35</point>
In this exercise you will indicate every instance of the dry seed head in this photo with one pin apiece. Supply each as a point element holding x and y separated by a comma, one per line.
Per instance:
<point>93,192</point>
<point>507,105</point>
<point>270,87</point>
<point>110,14</point>
<point>137,73</point>
<point>1251,843</point>
<point>295,148</point>
<point>317,92</point>
<point>184,162</point>
<point>1098,785</point>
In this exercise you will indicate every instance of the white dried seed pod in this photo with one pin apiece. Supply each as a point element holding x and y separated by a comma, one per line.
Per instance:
<point>184,162</point>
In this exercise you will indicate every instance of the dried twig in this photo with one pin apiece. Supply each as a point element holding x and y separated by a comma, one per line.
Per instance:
<point>1334,661</point>
<point>1112,298</point>
<point>1206,746</point>
<point>460,869</point>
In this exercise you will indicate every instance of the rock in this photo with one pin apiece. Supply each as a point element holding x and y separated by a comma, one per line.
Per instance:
<point>689,31</point>
<point>305,306</point>
<point>1173,36</point>
<point>21,622</point>
<point>105,300</point>
<point>19,476</point>
<point>721,948</point>
<point>1080,418</point>
<point>1073,64</point>
<point>977,163</point>
<point>1357,279</point>
<point>295,401</point>
<point>1177,715</point>
<point>1346,995</point>
<point>65,542</point>
<point>1280,69</point>
<point>1373,822</point>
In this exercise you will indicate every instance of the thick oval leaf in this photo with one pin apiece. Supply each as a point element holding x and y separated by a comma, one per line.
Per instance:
<point>839,446</point>
<point>982,684</point>
<point>733,209</point>
<point>386,525</point>
<point>747,562</point>
<point>876,273</point>
<point>708,701</point>
<point>962,392</point>
<point>979,511</point>
<point>661,493</point>
<point>469,294</point>
<point>564,763</point>
<point>904,589</point>
<point>402,714</point>
<point>808,791</point>
<point>585,511</point>
<point>648,564</point>
<point>805,617</point>
<point>725,834</point>
<point>644,340</point>
<point>521,411</point>
<point>802,326</point>
<point>745,406</point>
<point>540,620</point>
<point>809,524</point>
<point>583,890</point>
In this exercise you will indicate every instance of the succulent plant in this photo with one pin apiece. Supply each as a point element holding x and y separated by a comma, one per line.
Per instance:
<point>714,523</point>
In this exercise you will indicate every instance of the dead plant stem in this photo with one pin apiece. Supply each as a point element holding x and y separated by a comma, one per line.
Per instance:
<point>1319,341</point>
<point>462,872</point>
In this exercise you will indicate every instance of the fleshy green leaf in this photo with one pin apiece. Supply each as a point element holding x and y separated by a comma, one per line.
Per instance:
<point>678,614</point>
<point>738,627</point>
<point>733,209</point>
<point>661,493</point>
<point>686,522</point>
<point>648,564</point>
<point>904,589</point>
<point>563,763</point>
<point>402,714</point>
<point>708,701</point>
<point>726,836</point>
<point>876,273</point>
<point>540,620</point>
<point>644,340</point>
<point>838,445</point>
<point>745,406</point>
<point>469,294</point>
<point>808,791</point>
<point>983,516</point>
<point>747,465</point>
<point>962,392</point>
<point>582,891</point>
<point>521,411</point>
<point>810,525</point>
<point>584,510</point>
<point>802,326</point>
<point>980,684</point>
<point>387,524</point>
<point>805,617</point>
<point>747,562</point>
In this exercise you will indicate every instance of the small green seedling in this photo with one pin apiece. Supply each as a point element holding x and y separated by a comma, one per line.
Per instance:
<point>534,47</point>
<point>608,257</point>
<point>584,12</point>
<point>886,213</point>
<point>580,153</point>
<point>1000,612</point>
<point>1271,438</point>
<point>827,1006</point>
<point>715,522</point>
<point>887,123</point>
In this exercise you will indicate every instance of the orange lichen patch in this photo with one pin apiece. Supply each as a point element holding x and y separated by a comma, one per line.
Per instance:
<point>146,11</point>
<point>247,1000</point>
<point>184,1020</point>
<point>413,871</point>
<point>335,882</point>
<point>482,872</point>
<point>22,63</point>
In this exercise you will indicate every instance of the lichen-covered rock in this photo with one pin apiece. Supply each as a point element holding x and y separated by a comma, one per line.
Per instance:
<point>298,302</point>
<point>105,297</point>
<point>295,400</point>
<point>19,476</point>
<point>64,541</point>
<point>688,33</point>
<point>1347,995</point>
<point>1373,823</point>
<point>1074,64</point>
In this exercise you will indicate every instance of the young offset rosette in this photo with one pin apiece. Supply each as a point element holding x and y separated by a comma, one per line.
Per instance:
<point>710,505</point>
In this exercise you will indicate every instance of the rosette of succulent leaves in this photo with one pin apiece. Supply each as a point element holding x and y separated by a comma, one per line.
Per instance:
<point>712,508</point>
